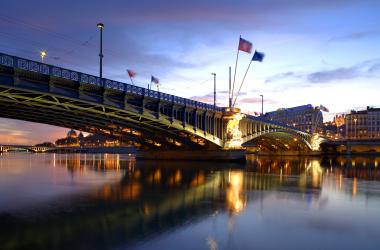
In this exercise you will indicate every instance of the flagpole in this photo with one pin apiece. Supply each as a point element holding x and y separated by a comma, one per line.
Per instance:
<point>249,65</point>
<point>229,89</point>
<point>131,80</point>
<point>237,57</point>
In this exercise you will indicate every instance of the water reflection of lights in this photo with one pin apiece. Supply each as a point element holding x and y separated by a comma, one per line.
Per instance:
<point>235,201</point>
<point>198,179</point>
<point>315,171</point>
<point>81,162</point>
<point>212,244</point>
<point>175,179</point>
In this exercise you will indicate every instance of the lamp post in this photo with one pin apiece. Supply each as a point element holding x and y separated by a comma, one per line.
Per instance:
<point>214,74</point>
<point>42,55</point>
<point>101,27</point>
<point>262,104</point>
<point>356,132</point>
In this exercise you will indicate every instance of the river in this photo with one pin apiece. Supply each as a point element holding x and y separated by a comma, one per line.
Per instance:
<point>112,201</point>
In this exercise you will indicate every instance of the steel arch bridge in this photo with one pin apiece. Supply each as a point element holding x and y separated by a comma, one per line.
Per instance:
<point>42,93</point>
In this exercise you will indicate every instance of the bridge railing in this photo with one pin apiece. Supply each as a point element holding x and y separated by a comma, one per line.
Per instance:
<point>262,119</point>
<point>54,71</point>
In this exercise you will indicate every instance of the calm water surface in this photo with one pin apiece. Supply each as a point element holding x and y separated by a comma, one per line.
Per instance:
<point>85,201</point>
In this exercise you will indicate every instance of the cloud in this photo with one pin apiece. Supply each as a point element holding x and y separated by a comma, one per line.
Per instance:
<point>367,68</point>
<point>354,36</point>
<point>362,69</point>
<point>255,100</point>
<point>374,68</point>
<point>280,76</point>
<point>22,132</point>
<point>332,75</point>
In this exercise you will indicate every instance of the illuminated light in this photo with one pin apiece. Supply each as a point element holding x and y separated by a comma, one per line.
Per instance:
<point>212,243</point>
<point>146,209</point>
<point>131,191</point>
<point>233,132</point>
<point>295,139</point>
<point>376,163</point>
<point>157,175</point>
<point>177,177</point>
<point>315,142</point>
<point>199,179</point>
<point>233,194</point>
<point>43,55</point>
<point>354,187</point>
<point>353,163</point>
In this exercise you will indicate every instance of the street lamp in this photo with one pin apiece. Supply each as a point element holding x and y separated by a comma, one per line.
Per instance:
<point>42,55</point>
<point>262,104</point>
<point>101,27</point>
<point>355,119</point>
<point>214,74</point>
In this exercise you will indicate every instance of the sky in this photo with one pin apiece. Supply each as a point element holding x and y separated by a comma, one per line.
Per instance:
<point>316,52</point>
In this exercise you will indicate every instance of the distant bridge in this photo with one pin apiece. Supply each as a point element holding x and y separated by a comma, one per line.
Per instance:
<point>42,93</point>
<point>37,149</point>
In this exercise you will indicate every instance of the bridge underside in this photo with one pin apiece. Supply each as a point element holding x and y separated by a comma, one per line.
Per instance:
<point>278,141</point>
<point>134,129</point>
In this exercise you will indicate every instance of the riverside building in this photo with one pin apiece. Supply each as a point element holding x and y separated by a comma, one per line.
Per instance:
<point>363,124</point>
<point>305,117</point>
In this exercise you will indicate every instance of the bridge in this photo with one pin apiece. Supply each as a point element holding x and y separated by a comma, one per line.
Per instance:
<point>36,149</point>
<point>145,118</point>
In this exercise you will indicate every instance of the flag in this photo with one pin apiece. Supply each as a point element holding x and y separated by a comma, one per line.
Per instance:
<point>131,73</point>
<point>323,108</point>
<point>258,56</point>
<point>155,80</point>
<point>245,45</point>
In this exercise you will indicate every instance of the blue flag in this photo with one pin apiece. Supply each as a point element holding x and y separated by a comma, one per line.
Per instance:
<point>258,56</point>
<point>155,80</point>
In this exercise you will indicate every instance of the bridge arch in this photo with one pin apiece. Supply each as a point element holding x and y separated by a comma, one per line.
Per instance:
<point>279,139</point>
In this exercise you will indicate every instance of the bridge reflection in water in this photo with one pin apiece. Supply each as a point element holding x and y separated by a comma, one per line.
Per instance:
<point>156,197</point>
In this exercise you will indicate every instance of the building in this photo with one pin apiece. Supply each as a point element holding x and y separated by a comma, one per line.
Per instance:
<point>73,139</point>
<point>363,124</point>
<point>306,118</point>
<point>336,129</point>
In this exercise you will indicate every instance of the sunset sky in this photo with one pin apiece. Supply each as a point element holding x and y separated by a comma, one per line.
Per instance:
<point>317,52</point>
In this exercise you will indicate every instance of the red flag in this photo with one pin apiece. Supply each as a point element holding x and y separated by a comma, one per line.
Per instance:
<point>245,45</point>
<point>131,73</point>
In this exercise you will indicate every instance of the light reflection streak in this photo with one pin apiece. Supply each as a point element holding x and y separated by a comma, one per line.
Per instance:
<point>234,199</point>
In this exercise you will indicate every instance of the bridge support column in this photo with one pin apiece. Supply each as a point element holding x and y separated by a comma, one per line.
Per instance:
<point>205,122</point>
<point>183,116</point>
<point>158,106</point>
<point>171,113</point>
<point>194,113</point>
<point>142,105</point>
<point>232,129</point>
